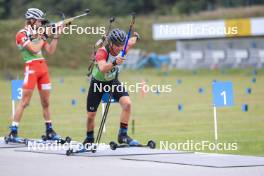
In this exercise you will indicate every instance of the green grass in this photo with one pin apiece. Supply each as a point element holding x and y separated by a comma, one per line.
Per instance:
<point>156,116</point>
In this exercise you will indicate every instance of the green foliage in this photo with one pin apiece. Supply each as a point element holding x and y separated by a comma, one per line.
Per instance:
<point>75,50</point>
<point>15,9</point>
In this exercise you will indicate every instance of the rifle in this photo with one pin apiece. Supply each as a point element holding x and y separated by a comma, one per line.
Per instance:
<point>52,27</point>
<point>99,44</point>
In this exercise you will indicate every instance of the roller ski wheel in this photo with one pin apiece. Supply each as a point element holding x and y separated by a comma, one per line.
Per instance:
<point>44,137</point>
<point>94,149</point>
<point>68,139</point>
<point>6,139</point>
<point>151,144</point>
<point>69,152</point>
<point>63,141</point>
<point>113,145</point>
<point>26,141</point>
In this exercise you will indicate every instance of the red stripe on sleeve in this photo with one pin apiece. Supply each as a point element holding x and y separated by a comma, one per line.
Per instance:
<point>101,54</point>
<point>21,38</point>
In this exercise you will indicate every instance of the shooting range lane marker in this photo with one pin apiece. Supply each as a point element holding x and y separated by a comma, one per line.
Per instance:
<point>254,72</point>
<point>61,80</point>
<point>73,102</point>
<point>82,90</point>
<point>200,90</point>
<point>244,107</point>
<point>178,81</point>
<point>248,91</point>
<point>254,80</point>
<point>180,107</point>
<point>157,92</point>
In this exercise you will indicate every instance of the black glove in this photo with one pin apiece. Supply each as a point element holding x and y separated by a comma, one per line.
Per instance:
<point>114,63</point>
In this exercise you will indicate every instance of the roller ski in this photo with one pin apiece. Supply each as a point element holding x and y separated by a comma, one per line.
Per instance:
<point>13,137</point>
<point>87,146</point>
<point>71,151</point>
<point>15,140</point>
<point>113,145</point>
<point>126,142</point>
<point>52,136</point>
<point>26,141</point>
<point>18,140</point>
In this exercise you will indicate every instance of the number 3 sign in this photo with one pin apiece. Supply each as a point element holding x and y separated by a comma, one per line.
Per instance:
<point>16,93</point>
<point>16,89</point>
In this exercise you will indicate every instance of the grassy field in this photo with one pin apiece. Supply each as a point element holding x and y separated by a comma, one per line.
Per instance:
<point>156,115</point>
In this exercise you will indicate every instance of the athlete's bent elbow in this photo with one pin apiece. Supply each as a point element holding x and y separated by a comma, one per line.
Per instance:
<point>50,52</point>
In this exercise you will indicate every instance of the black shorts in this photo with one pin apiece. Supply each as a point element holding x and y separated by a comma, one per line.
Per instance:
<point>98,88</point>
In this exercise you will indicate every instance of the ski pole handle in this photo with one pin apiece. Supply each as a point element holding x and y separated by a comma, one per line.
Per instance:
<point>128,34</point>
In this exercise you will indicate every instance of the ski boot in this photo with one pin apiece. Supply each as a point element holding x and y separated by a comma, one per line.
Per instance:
<point>51,135</point>
<point>89,145</point>
<point>13,137</point>
<point>125,139</point>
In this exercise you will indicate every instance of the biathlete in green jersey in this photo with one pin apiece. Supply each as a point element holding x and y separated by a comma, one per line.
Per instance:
<point>31,44</point>
<point>104,75</point>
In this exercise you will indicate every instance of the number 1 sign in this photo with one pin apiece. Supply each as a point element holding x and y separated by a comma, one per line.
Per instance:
<point>222,97</point>
<point>223,94</point>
